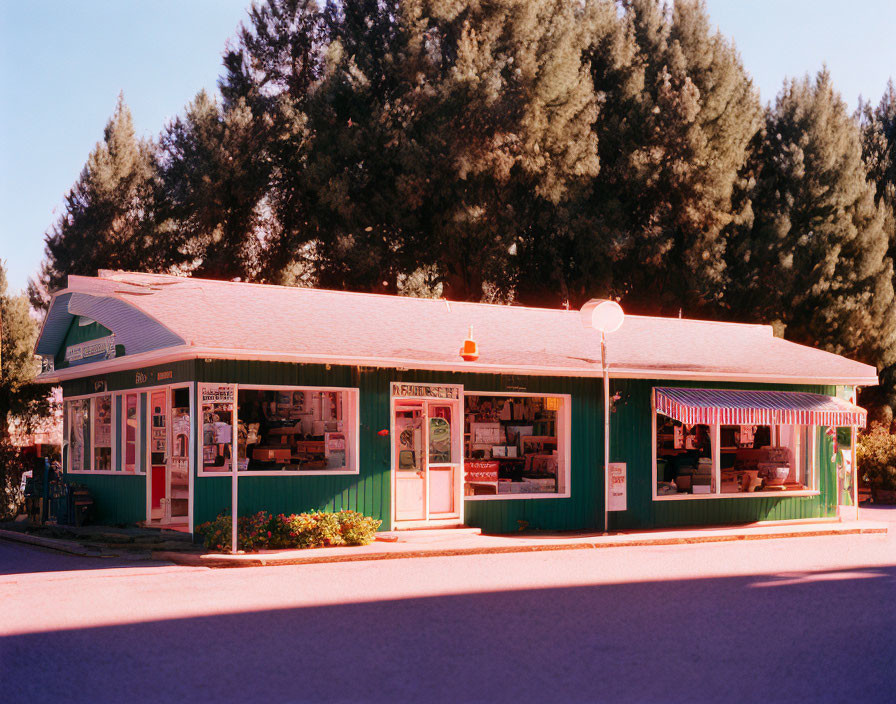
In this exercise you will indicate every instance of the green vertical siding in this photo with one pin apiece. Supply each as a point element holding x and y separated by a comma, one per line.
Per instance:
<point>370,490</point>
<point>116,499</point>
<point>630,442</point>
<point>122,499</point>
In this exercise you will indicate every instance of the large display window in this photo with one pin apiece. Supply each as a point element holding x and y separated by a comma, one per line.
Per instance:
<point>130,432</point>
<point>217,427</point>
<point>296,429</point>
<point>731,460</point>
<point>101,413</point>
<point>77,418</point>
<point>516,446</point>
<point>88,434</point>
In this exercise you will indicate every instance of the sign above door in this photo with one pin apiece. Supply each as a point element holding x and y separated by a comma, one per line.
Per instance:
<point>441,391</point>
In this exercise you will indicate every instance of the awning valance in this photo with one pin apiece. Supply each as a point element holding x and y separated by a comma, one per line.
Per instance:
<point>724,407</point>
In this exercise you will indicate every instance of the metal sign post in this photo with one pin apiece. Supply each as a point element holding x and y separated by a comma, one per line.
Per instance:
<point>605,316</point>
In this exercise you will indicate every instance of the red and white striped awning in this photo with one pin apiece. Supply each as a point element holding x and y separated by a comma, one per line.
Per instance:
<point>725,407</point>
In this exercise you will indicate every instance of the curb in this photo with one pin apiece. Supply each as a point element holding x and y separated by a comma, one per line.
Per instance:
<point>217,560</point>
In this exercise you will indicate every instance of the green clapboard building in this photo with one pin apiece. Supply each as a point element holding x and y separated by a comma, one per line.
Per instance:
<point>175,388</point>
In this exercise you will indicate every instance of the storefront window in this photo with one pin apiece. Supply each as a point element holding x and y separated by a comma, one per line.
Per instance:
<point>78,419</point>
<point>683,457</point>
<point>763,458</point>
<point>751,458</point>
<point>102,433</point>
<point>515,446</point>
<point>295,429</point>
<point>131,425</point>
<point>217,427</point>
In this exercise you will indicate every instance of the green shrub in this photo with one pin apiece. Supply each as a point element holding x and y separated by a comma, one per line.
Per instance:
<point>297,530</point>
<point>253,532</point>
<point>876,457</point>
<point>356,528</point>
<point>326,531</point>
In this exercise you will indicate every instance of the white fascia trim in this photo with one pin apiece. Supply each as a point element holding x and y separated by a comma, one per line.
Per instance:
<point>187,352</point>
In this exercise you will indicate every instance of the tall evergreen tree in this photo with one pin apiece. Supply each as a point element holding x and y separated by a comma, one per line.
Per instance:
<point>879,143</point>
<point>274,67</point>
<point>108,219</point>
<point>677,115</point>
<point>879,151</point>
<point>22,402</point>
<point>432,121</point>
<point>815,257</point>
<point>214,175</point>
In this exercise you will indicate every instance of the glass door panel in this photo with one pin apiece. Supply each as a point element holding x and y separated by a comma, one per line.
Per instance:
<point>158,453</point>
<point>443,470</point>
<point>410,462</point>
<point>179,456</point>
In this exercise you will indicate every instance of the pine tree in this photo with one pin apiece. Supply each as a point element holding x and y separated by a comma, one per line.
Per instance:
<point>879,143</point>
<point>879,151</point>
<point>274,67</point>
<point>108,219</point>
<point>214,175</point>
<point>22,402</point>
<point>433,124</point>
<point>815,257</point>
<point>19,398</point>
<point>678,112</point>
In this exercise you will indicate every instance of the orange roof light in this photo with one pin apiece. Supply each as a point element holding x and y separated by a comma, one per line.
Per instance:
<point>470,350</point>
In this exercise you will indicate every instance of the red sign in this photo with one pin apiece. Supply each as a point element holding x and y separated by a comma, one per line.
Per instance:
<point>485,471</point>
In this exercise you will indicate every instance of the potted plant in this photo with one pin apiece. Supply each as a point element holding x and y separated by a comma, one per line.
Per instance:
<point>876,456</point>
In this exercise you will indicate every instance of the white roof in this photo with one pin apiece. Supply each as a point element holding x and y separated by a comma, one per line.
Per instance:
<point>218,319</point>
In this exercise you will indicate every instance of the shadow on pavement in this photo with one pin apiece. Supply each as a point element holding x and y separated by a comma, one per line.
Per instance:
<point>21,559</point>
<point>815,636</point>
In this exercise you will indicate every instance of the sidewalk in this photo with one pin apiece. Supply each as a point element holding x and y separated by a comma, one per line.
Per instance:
<point>442,543</point>
<point>99,541</point>
<point>428,543</point>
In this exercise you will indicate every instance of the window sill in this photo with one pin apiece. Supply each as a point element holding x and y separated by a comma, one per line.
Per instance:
<point>286,473</point>
<point>515,497</point>
<point>741,495</point>
<point>110,472</point>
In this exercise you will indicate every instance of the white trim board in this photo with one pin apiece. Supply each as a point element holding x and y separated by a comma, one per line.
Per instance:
<point>184,352</point>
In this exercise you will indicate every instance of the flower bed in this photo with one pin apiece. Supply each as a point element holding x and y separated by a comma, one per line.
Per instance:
<point>314,529</point>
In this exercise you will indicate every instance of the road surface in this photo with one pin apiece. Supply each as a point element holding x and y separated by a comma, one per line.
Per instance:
<point>807,619</point>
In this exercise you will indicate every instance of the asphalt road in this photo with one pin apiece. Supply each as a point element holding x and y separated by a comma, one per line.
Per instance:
<point>807,619</point>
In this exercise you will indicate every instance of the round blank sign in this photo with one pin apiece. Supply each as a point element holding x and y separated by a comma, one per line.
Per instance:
<point>602,314</point>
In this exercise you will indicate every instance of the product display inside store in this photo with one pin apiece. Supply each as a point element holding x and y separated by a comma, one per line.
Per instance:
<point>292,430</point>
<point>751,458</point>
<point>514,445</point>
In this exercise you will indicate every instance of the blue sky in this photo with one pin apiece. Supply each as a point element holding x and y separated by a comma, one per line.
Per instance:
<point>63,63</point>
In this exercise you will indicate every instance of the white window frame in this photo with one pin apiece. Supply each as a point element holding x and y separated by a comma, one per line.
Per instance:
<point>351,422</point>
<point>122,429</point>
<point>89,468</point>
<point>564,445</point>
<point>811,468</point>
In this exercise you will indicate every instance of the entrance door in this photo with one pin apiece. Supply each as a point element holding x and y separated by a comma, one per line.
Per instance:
<point>169,453</point>
<point>158,454</point>
<point>427,469</point>
<point>179,456</point>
